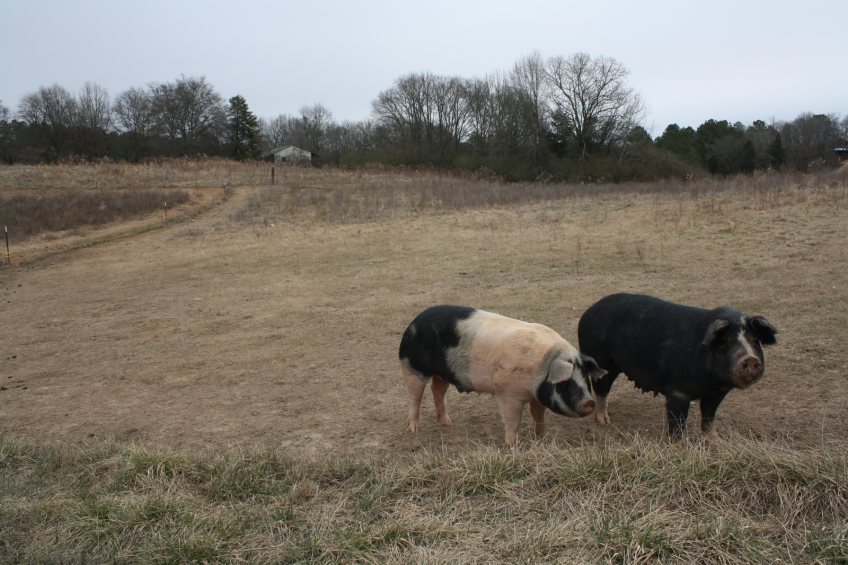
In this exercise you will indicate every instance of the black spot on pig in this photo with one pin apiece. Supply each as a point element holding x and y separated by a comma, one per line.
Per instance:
<point>429,337</point>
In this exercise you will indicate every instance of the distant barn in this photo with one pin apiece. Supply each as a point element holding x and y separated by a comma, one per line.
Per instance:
<point>288,154</point>
<point>841,153</point>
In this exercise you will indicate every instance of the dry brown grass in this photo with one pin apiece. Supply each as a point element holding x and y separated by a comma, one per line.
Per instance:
<point>274,323</point>
<point>35,214</point>
<point>641,501</point>
<point>376,195</point>
<point>229,330</point>
<point>162,173</point>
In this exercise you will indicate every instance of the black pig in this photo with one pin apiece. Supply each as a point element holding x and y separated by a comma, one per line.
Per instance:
<point>682,352</point>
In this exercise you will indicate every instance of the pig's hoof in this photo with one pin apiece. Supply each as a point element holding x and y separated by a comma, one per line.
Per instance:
<point>413,427</point>
<point>603,418</point>
<point>445,421</point>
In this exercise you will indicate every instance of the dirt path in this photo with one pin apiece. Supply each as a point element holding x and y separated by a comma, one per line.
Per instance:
<point>40,247</point>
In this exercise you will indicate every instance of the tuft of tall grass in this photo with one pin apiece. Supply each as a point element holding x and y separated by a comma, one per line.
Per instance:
<point>742,501</point>
<point>27,215</point>
<point>361,197</point>
<point>156,173</point>
<point>374,193</point>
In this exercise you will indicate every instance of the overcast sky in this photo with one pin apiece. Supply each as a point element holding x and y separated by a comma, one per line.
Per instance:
<point>738,60</point>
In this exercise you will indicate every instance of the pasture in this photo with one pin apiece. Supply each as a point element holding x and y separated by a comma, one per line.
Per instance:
<point>270,319</point>
<point>266,321</point>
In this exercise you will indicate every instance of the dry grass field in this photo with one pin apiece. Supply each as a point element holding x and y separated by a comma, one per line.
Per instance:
<point>225,388</point>
<point>274,317</point>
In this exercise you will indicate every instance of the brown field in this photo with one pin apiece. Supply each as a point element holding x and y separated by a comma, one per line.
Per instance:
<point>256,322</point>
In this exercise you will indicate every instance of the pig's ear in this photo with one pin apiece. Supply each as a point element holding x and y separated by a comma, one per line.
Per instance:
<point>764,330</point>
<point>714,329</point>
<point>560,371</point>
<point>591,367</point>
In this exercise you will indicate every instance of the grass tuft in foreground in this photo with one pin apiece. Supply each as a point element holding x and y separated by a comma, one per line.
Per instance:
<point>738,502</point>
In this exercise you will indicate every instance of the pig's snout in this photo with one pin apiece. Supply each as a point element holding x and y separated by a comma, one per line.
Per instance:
<point>587,407</point>
<point>749,370</point>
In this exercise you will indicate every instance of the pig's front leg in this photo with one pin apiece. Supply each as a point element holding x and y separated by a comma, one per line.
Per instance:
<point>537,410</point>
<point>511,409</point>
<point>709,405</point>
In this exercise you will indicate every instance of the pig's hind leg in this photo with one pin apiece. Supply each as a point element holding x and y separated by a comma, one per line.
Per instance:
<point>440,387</point>
<point>416,392</point>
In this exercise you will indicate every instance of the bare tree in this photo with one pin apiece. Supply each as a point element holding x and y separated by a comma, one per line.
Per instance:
<point>315,124</point>
<point>362,135</point>
<point>6,136</point>
<point>503,121</point>
<point>479,103</point>
<point>94,108</point>
<point>529,76</point>
<point>94,119</point>
<point>450,116</point>
<point>425,112</point>
<point>54,109</point>
<point>515,128</point>
<point>347,138</point>
<point>133,111</point>
<point>188,109</point>
<point>810,137</point>
<point>843,132</point>
<point>403,109</point>
<point>591,102</point>
<point>279,131</point>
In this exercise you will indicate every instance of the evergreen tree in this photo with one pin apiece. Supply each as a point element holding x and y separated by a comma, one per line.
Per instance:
<point>777,153</point>
<point>714,138</point>
<point>681,142</point>
<point>244,130</point>
<point>749,158</point>
<point>720,165</point>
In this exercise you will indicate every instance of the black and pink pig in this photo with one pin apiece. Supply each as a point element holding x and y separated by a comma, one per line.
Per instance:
<point>517,362</point>
<point>681,352</point>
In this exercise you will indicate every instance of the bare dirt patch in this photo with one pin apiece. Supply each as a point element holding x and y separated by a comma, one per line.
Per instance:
<point>215,333</point>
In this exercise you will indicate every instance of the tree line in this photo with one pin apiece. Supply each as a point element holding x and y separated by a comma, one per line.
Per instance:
<point>184,117</point>
<point>569,118</point>
<point>724,148</point>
